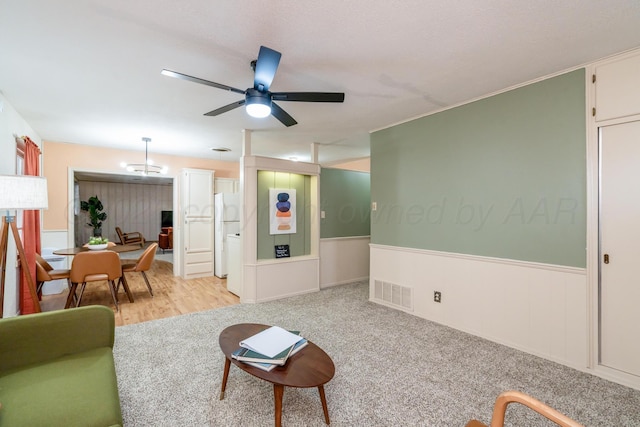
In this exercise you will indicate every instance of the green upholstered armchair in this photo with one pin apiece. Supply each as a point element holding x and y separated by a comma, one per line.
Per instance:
<point>57,369</point>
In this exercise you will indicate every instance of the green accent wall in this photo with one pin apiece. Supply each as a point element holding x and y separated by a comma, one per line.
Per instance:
<point>300,242</point>
<point>345,198</point>
<point>501,177</point>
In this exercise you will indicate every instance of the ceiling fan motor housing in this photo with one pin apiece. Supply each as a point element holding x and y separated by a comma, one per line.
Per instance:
<point>254,96</point>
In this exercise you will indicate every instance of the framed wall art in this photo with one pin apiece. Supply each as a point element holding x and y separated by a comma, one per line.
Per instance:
<point>282,211</point>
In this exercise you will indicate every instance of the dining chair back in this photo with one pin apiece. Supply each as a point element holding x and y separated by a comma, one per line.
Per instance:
<point>45,273</point>
<point>93,266</point>
<point>142,264</point>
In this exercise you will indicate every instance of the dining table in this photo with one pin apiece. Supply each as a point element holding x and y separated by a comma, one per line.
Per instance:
<point>116,248</point>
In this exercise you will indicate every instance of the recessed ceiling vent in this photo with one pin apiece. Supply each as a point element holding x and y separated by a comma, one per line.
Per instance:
<point>394,295</point>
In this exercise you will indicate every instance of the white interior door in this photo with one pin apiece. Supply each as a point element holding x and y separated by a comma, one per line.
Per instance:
<point>198,235</point>
<point>198,254</point>
<point>197,219</point>
<point>620,247</point>
<point>198,193</point>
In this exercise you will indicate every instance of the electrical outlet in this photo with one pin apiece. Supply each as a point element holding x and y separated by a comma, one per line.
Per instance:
<point>437,296</point>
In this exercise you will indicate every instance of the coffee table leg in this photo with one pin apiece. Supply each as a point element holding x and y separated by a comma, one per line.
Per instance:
<point>227,365</point>
<point>323,399</point>
<point>278,392</point>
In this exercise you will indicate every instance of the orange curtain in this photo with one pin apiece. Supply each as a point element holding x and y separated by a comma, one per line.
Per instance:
<point>30,228</point>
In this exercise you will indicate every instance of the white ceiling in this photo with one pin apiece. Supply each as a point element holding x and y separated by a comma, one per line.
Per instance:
<point>88,71</point>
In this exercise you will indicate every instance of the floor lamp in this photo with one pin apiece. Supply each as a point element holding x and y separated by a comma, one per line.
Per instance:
<point>19,192</point>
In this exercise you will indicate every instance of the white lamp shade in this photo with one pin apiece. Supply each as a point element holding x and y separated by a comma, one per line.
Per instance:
<point>23,192</point>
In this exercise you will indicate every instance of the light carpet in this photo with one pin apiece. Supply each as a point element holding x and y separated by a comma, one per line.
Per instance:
<point>392,369</point>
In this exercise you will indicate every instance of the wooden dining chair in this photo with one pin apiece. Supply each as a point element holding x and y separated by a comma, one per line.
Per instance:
<point>504,399</point>
<point>142,264</point>
<point>93,266</point>
<point>45,273</point>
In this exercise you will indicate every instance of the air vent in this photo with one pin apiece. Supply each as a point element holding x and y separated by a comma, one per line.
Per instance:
<point>393,295</point>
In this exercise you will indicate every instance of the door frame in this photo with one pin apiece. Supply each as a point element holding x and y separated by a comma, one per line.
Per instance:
<point>71,173</point>
<point>593,227</point>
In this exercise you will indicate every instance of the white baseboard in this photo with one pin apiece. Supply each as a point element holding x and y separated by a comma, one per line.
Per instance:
<point>343,282</point>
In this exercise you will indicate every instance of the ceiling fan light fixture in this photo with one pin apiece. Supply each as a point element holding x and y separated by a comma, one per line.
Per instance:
<point>258,104</point>
<point>258,111</point>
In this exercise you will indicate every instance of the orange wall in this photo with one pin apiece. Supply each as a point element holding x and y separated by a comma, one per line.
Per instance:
<point>58,157</point>
<point>362,165</point>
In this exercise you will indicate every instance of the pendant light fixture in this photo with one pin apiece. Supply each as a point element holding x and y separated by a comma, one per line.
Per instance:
<point>147,167</point>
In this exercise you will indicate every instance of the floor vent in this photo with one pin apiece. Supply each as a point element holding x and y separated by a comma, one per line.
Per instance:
<point>394,295</point>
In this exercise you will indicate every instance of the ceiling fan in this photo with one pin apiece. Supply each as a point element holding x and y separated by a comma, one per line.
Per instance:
<point>258,99</point>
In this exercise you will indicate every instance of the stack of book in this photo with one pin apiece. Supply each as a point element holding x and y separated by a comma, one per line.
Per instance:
<point>269,348</point>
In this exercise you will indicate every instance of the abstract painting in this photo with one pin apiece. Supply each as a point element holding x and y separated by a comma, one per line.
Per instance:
<point>282,211</point>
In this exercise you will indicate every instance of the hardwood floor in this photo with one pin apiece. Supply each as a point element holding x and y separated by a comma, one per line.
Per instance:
<point>172,296</point>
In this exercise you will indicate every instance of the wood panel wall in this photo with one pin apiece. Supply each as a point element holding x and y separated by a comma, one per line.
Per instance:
<point>132,207</point>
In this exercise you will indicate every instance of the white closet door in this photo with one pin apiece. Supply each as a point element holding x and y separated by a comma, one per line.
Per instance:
<point>618,89</point>
<point>620,244</point>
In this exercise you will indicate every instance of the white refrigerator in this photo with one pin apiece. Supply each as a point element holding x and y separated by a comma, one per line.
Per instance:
<point>227,221</point>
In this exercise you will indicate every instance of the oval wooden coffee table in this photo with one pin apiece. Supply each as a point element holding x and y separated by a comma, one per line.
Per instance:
<point>309,367</point>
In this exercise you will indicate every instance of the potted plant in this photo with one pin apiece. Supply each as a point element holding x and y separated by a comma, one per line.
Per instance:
<point>96,216</point>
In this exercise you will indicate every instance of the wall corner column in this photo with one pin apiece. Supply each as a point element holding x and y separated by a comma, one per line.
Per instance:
<point>246,142</point>
<point>314,152</point>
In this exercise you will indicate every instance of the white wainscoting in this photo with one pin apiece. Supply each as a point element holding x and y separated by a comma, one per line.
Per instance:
<point>280,278</point>
<point>343,260</point>
<point>57,239</point>
<point>537,308</point>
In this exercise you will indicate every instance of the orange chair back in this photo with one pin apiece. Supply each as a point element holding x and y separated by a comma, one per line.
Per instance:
<point>43,262</point>
<point>42,274</point>
<point>93,263</point>
<point>146,259</point>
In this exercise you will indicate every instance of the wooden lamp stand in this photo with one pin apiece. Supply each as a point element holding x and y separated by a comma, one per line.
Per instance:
<point>9,222</point>
<point>19,192</point>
